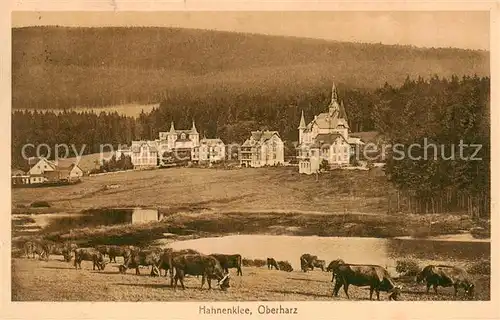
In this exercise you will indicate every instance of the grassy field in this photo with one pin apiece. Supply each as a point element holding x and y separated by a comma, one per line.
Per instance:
<point>56,280</point>
<point>206,202</point>
<point>263,189</point>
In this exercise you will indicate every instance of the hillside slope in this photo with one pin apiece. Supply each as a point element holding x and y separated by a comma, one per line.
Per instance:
<point>56,67</point>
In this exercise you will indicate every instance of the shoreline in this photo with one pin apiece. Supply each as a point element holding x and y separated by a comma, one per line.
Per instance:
<point>193,225</point>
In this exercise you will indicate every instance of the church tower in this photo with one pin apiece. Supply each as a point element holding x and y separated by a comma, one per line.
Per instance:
<point>194,135</point>
<point>333,108</point>
<point>302,127</point>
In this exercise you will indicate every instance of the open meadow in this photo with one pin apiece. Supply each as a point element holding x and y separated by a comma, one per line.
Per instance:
<point>55,280</point>
<point>249,190</point>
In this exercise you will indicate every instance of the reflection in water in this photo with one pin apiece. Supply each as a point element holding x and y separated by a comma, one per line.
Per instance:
<point>101,217</point>
<point>351,249</point>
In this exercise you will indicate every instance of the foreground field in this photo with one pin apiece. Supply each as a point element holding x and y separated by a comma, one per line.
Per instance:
<point>34,280</point>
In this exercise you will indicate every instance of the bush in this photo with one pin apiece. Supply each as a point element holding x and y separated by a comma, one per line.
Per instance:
<point>253,263</point>
<point>481,267</point>
<point>40,204</point>
<point>407,267</point>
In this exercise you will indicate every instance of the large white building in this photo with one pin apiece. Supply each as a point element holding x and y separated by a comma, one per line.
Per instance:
<point>263,148</point>
<point>174,145</point>
<point>326,137</point>
<point>210,150</point>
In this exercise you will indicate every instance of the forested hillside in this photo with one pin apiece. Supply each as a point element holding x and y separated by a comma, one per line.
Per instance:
<point>60,67</point>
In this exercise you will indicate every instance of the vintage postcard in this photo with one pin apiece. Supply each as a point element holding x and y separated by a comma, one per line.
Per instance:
<point>253,163</point>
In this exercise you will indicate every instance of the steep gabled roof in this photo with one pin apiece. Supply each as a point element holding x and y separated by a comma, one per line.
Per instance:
<point>136,145</point>
<point>327,139</point>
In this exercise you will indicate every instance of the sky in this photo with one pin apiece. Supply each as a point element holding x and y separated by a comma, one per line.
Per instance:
<point>460,29</point>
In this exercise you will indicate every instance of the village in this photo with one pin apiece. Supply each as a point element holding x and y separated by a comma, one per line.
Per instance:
<point>325,143</point>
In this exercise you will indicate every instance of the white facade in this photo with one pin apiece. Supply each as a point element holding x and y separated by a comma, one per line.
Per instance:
<point>179,139</point>
<point>263,148</point>
<point>176,145</point>
<point>144,154</point>
<point>41,166</point>
<point>325,138</point>
<point>211,150</point>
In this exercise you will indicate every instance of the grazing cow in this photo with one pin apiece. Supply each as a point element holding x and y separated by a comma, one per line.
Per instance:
<point>285,266</point>
<point>138,258</point>
<point>198,264</point>
<point>361,275</point>
<point>61,249</point>
<point>228,261</point>
<point>34,248</point>
<point>89,254</point>
<point>272,263</point>
<point>319,264</point>
<point>446,276</point>
<point>166,260</point>
<point>307,261</point>
<point>332,267</point>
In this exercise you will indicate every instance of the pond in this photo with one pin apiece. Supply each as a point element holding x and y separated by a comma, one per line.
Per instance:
<point>379,251</point>
<point>89,218</point>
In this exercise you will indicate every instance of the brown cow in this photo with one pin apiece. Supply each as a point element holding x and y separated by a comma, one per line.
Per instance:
<point>308,261</point>
<point>332,267</point>
<point>447,276</point>
<point>319,264</point>
<point>114,251</point>
<point>272,263</point>
<point>146,257</point>
<point>228,261</point>
<point>61,249</point>
<point>34,248</point>
<point>361,275</point>
<point>197,264</point>
<point>89,254</point>
<point>285,266</point>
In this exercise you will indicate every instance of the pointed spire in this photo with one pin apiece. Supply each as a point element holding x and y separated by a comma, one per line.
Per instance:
<point>302,124</point>
<point>334,92</point>
<point>193,128</point>
<point>172,129</point>
<point>342,113</point>
<point>333,108</point>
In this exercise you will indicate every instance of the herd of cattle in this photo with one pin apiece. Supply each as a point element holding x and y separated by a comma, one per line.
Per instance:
<point>178,264</point>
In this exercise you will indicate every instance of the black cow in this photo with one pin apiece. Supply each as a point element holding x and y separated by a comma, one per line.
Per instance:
<point>228,261</point>
<point>89,254</point>
<point>332,267</point>
<point>365,275</point>
<point>272,263</point>
<point>446,276</point>
<point>198,264</point>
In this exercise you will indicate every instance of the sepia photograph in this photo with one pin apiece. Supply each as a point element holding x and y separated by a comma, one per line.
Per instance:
<point>250,156</point>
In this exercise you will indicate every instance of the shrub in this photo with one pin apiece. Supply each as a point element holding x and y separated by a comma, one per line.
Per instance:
<point>407,267</point>
<point>260,263</point>
<point>481,267</point>
<point>40,204</point>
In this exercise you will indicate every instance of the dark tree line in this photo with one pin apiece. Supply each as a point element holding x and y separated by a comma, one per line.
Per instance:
<point>447,113</point>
